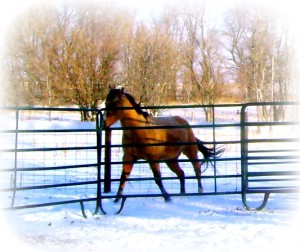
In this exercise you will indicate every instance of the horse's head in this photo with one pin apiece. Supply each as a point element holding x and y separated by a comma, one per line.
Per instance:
<point>113,101</point>
<point>117,99</point>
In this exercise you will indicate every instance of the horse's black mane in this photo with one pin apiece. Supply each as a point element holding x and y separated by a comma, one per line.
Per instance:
<point>135,105</point>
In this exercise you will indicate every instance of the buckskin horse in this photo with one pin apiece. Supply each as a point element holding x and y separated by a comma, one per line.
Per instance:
<point>154,145</point>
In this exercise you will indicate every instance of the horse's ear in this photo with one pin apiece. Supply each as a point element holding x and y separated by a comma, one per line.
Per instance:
<point>122,90</point>
<point>109,87</point>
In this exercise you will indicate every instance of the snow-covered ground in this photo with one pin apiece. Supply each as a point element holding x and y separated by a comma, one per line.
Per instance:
<point>198,223</point>
<point>208,223</point>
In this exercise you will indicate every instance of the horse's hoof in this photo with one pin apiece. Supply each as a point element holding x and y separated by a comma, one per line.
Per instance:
<point>168,200</point>
<point>117,200</point>
<point>200,190</point>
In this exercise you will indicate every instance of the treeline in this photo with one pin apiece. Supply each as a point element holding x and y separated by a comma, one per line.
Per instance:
<point>71,54</point>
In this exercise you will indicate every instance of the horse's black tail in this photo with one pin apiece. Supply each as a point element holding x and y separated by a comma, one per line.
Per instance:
<point>208,153</point>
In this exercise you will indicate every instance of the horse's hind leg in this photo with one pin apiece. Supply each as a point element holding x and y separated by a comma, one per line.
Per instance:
<point>174,166</point>
<point>157,175</point>
<point>197,169</point>
<point>191,153</point>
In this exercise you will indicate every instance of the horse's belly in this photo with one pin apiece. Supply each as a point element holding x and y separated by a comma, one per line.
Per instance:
<point>155,144</point>
<point>157,152</point>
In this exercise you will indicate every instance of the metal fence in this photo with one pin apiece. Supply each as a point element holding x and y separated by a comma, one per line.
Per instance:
<point>48,157</point>
<point>270,151</point>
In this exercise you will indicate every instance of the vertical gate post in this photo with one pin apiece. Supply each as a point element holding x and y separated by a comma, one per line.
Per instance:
<point>244,149</point>
<point>107,159</point>
<point>99,126</point>
<point>214,140</point>
<point>16,159</point>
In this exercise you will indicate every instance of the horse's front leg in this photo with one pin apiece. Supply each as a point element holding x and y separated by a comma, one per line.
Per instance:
<point>157,175</point>
<point>127,168</point>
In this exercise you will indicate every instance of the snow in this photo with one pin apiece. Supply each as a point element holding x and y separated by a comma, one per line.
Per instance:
<point>195,223</point>
<point>208,223</point>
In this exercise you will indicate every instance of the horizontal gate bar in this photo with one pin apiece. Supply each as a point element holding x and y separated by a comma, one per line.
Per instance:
<point>50,168</point>
<point>171,194</point>
<point>48,186</point>
<point>50,149</point>
<point>273,180</point>
<point>274,189</point>
<point>48,131</point>
<point>169,161</point>
<point>50,204</point>
<point>273,173</point>
<point>274,162</point>
<point>270,151</point>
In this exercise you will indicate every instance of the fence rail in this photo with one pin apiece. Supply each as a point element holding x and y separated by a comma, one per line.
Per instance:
<point>62,161</point>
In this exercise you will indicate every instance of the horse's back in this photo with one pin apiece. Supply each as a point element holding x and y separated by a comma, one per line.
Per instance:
<point>170,120</point>
<point>181,131</point>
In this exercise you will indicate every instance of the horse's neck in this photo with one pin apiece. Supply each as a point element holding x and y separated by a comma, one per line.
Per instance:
<point>132,119</point>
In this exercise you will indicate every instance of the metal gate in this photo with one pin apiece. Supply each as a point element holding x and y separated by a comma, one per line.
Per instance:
<point>265,160</point>
<point>45,159</point>
<point>59,163</point>
<point>270,150</point>
<point>216,180</point>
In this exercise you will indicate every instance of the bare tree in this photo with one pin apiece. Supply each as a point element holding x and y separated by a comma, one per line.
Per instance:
<point>202,57</point>
<point>69,57</point>
<point>28,58</point>
<point>258,47</point>
<point>90,54</point>
<point>150,65</point>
